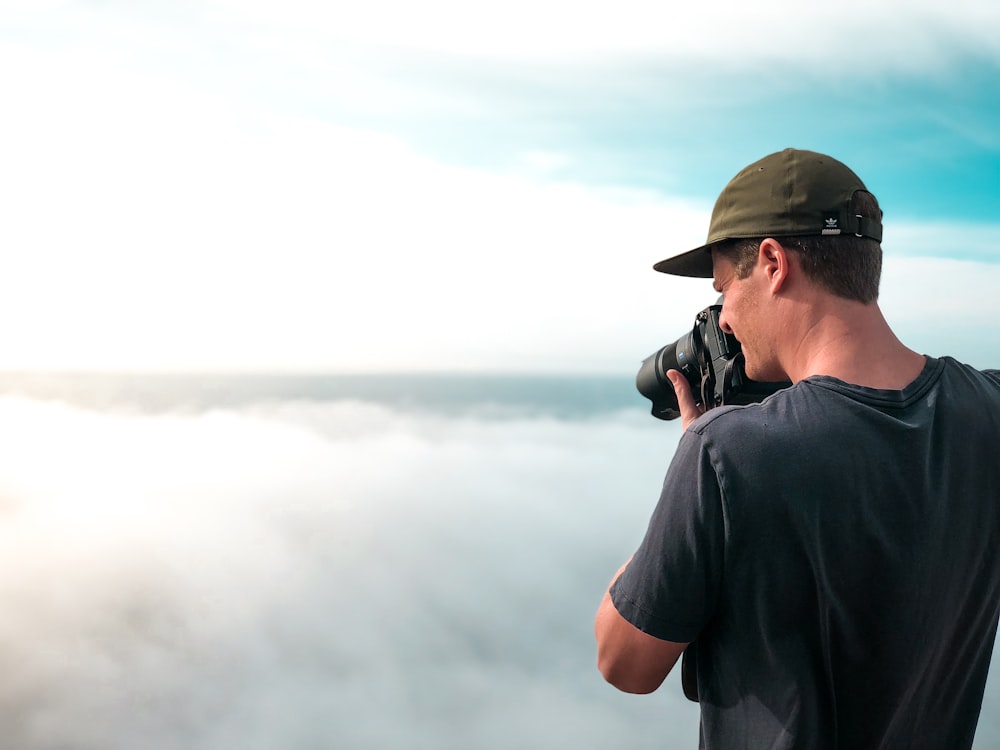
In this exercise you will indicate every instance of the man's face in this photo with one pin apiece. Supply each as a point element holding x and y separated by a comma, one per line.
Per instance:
<point>742,316</point>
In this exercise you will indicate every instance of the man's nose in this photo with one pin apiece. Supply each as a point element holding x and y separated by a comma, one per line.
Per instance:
<point>723,323</point>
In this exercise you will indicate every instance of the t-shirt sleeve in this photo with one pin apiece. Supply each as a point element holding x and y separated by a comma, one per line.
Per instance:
<point>670,588</point>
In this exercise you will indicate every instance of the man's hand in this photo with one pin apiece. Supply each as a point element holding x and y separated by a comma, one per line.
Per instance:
<point>690,411</point>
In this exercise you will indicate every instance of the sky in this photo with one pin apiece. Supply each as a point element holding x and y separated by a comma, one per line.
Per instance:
<point>308,186</point>
<point>389,186</point>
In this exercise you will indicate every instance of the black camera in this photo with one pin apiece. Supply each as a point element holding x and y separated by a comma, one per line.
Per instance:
<point>712,362</point>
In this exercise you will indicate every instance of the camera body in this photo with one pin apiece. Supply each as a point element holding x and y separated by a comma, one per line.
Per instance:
<point>711,360</point>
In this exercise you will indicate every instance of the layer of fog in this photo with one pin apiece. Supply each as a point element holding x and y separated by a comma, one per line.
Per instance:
<point>318,576</point>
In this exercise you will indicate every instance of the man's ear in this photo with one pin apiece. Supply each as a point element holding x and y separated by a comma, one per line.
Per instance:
<point>776,262</point>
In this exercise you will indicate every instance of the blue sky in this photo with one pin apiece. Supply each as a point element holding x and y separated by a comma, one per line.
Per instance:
<point>317,186</point>
<point>930,140</point>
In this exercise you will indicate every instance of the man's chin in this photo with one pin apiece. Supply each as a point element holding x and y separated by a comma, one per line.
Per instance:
<point>760,374</point>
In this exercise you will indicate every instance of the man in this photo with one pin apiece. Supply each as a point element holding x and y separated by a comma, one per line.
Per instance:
<point>831,552</point>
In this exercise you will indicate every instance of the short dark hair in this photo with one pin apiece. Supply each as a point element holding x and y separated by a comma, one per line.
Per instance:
<point>848,265</point>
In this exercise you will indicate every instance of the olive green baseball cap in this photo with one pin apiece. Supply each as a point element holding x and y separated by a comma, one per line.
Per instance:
<point>786,194</point>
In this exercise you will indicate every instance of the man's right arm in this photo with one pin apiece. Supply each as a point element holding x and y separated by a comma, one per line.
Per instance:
<point>629,659</point>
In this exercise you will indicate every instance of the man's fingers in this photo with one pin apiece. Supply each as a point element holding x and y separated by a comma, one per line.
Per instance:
<point>690,411</point>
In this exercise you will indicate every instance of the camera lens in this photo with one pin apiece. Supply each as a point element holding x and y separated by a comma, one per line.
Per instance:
<point>652,381</point>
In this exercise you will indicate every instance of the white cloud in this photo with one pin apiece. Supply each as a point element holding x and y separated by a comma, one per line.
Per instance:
<point>897,35</point>
<point>190,233</point>
<point>941,306</point>
<point>945,240</point>
<point>289,575</point>
<point>153,222</point>
<point>169,229</point>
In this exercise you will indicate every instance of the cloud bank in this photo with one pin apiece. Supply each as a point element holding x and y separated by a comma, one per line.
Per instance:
<point>326,575</point>
<point>925,34</point>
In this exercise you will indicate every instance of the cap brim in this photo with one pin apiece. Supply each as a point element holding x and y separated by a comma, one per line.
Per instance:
<point>696,263</point>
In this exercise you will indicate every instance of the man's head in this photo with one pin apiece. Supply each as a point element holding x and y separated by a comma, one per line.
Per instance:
<point>814,206</point>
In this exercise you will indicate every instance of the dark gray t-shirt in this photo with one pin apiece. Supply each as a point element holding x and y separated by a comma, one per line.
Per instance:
<point>834,551</point>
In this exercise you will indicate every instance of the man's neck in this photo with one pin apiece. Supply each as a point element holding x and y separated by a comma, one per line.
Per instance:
<point>852,342</point>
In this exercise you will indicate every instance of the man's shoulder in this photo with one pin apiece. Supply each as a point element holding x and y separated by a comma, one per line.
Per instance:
<point>815,400</point>
<point>766,414</point>
<point>989,378</point>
